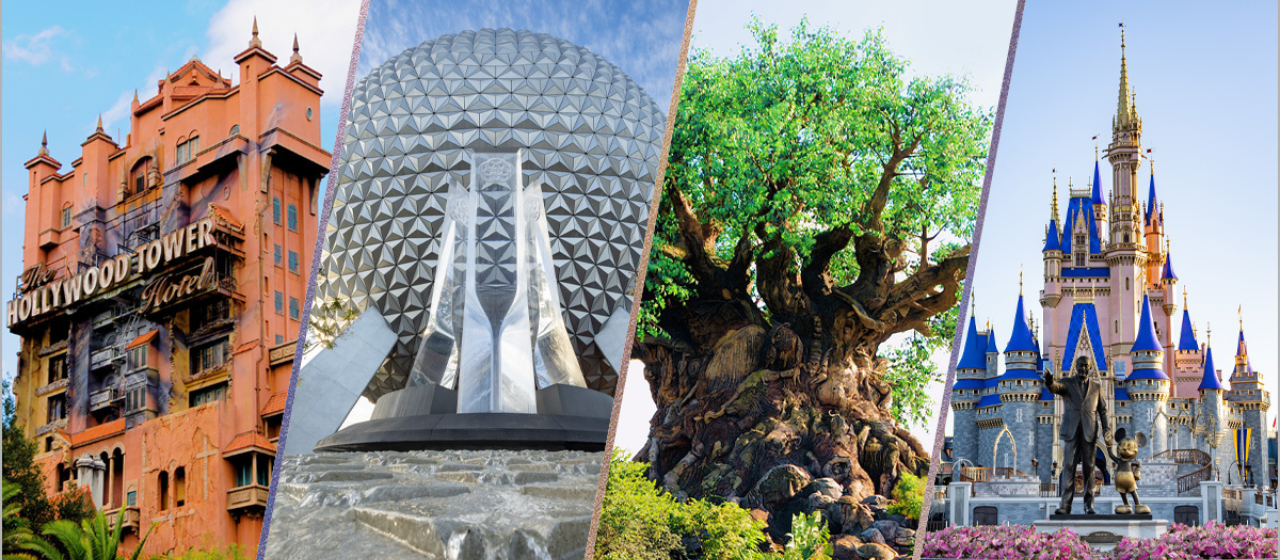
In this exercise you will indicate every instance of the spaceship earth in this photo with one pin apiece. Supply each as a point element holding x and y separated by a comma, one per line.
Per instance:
<point>588,134</point>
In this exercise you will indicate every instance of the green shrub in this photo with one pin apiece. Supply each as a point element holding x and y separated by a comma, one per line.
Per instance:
<point>638,521</point>
<point>908,496</point>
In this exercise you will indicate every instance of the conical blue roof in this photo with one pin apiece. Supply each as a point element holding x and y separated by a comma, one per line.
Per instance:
<point>1146,340</point>
<point>991,342</point>
<point>1080,207</point>
<point>1052,242</point>
<point>1242,349</point>
<point>1209,380</point>
<point>1168,272</point>
<point>1187,341</point>
<point>1021,340</point>
<point>1097,185</point>
<point>1153,202</point>
<point>975,355</point>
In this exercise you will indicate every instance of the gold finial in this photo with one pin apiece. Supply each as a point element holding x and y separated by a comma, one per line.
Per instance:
<point>1208,334</point>
<point>1240,316</point>
<point>1184,297</point>
<point>1124,110</point>
<point>254,41</point>
<point>1054,216</point>
<point>1019,280</point>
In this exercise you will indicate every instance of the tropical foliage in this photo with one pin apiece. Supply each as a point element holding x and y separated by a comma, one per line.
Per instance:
<point>640,522</point>
<point>908,496</point>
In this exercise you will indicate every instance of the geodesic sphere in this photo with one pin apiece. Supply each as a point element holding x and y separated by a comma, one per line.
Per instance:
<point>589,135</point>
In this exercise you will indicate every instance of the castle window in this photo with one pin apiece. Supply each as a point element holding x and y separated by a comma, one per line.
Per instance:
<point>1126,280</point>
<point>293,218</point>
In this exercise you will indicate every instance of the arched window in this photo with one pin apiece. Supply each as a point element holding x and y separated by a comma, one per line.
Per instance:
<point>179,487</point>
<point>138,177</point>
<point>66,215</point>
<point>235,131</point>
<point>293,218</point>
<point>164,491</point>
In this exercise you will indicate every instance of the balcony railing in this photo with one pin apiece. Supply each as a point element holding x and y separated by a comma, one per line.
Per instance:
<point>246,497</point>
<point>1192,480</point>
<point>51,426</point>
<point>51,348</point>
<point>103,357</point>
<point>104,398</point>
<point>52,387</point>
<point>132,518</point>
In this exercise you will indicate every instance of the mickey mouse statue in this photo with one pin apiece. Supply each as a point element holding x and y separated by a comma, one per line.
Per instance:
<point>1128,471</point>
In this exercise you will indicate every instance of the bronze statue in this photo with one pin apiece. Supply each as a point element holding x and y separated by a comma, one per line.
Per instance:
<point>1128,471</point>
<point>1084,408</point>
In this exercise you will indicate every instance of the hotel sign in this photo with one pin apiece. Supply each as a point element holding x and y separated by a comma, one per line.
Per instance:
<point>57,294</point>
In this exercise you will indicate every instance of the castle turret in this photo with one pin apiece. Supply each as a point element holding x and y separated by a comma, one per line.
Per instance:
<point>1252,400</point>
<point>1154,238</point>
<point>1019,390</point>
<point>1052,292</point>
<point>1211,420</point>
<point>1148,386</point>
<point>965,393</point>
<point>1188,359</point>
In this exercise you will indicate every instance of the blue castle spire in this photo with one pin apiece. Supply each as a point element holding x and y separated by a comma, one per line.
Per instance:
<point>1167,273</point>
<point>1187,341</point>
<point>974,356</point>
<point>1153,202</point>
<point>1097,185</point>
<point>1146,340</point>
<point>1209,380</point>
<point>1021,340</point>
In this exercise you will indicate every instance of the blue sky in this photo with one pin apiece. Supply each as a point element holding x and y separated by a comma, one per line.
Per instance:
<point>968,39</point>
<point>1205,78</point>
<point>641,37</point>
<point>63,67</point>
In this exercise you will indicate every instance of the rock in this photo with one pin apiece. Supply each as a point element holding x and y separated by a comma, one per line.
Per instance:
<point>857,519</point>
<point>827,487</point>
<point>905,537</point>
<point>760,515</point>
<point>876,500</point>
<point>778,486</point>
<point>845,548</point>
<point>876,551</point>
<point>888,529</point>
<point>872,535</point>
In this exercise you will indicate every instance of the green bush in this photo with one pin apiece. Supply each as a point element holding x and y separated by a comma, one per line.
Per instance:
<point>638,521</point>
<point>908,496</point>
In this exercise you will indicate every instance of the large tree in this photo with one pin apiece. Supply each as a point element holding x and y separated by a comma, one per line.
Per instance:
<point>816,204</point>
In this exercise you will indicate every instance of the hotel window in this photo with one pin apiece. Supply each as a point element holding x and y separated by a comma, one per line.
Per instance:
<point>279,255</point>
<point>57,408</point>
<point>132,499</point>
<point>179,487</point>
<point>293,261</point>
<point>57,368</point>
<point>279,339</point>
<point>164,491</point>
<point>138,177</point>
<point>235,131</point>
<point>188,150</point>
<point>264,470</point>
<point>137,357</point>
<point>295,309</point>
<point>207,395</point>
<point>275,209</point>
<point>244,473</point>
<point>279,303</point>
<point>66,216</point>
<point>210,356</point>
<point>293,218</point>
<point>210,313</point>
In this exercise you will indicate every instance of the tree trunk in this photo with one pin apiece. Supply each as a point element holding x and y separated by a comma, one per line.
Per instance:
<point>785,418</point>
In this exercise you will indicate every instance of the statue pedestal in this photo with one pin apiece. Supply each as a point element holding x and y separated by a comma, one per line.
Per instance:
<point>1103,532</point>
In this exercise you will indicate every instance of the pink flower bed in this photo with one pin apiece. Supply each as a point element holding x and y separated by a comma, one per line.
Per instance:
<point>1025,543</point>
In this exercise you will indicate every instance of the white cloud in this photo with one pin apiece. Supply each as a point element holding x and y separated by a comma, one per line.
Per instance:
<point>37,49</point>
<point>326,34</point>
<point>119,110</point>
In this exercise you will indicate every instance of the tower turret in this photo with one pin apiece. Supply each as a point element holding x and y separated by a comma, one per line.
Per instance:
<point>1052,292</point>
<point>1211,424</point>
<point>965,393</point>
<point>1148,386</point>
<point>1250,397</point>
<point>1019,390</point>
<point>1188,359</point>
<point>1125,155</point>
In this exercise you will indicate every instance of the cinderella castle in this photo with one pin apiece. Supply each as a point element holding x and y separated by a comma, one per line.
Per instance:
<point>1110,295</point>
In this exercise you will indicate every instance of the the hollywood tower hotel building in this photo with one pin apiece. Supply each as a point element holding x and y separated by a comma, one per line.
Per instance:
<point>161,299</point>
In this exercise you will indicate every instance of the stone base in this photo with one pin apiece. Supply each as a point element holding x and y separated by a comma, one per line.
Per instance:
<point>423,417</point>
<point>1103,532</point>
<point>1102,517</point>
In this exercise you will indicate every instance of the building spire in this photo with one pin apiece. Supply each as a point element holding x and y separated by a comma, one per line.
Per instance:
<point>254,41</point>
<point>1124,108</point>
<point>99,122</point>
<point>44,144</point>
<point>296,56</point>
